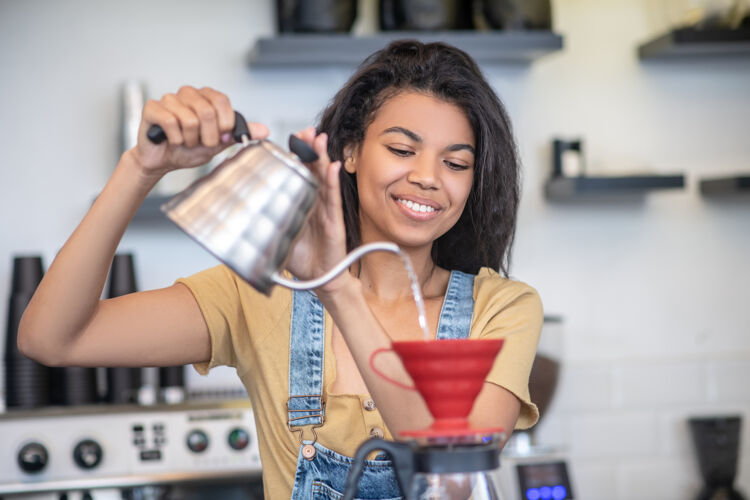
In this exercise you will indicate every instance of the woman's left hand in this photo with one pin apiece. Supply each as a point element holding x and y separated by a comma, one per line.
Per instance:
<point>322,242</point>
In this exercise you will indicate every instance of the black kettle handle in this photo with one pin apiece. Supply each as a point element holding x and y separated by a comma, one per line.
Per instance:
<point>301,149</point>
<point>402,456</point>
<point>156,134</point>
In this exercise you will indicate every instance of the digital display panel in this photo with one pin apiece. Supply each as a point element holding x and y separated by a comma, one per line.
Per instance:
<point>544,481</point>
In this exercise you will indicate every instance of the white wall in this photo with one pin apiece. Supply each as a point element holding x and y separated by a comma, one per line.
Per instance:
<point>653,294</point>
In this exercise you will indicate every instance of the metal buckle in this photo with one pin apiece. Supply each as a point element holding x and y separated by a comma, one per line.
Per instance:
<point>300,429</point>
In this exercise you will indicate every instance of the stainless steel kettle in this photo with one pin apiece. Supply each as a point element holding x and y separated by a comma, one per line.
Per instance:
<point>249,210</point>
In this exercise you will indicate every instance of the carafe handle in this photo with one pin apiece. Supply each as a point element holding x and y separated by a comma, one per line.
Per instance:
<point>400,453</point>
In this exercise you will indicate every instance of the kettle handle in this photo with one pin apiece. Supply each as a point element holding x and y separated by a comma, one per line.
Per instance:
<point>156,134</point>
<point>400,453</point>
<point>302,150</point>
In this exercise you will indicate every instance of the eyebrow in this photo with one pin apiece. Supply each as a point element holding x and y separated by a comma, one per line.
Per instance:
<point>414,137</point>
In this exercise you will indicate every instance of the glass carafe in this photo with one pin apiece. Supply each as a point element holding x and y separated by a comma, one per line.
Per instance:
<point>455,469</point>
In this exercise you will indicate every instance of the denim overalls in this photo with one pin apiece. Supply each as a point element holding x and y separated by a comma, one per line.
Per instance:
<point>321,473</point>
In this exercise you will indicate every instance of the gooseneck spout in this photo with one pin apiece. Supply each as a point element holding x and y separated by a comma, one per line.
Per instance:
<point>350,258</point>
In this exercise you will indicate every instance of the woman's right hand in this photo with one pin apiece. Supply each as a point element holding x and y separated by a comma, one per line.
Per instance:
<point>65,322</point>
<point>198,124</point>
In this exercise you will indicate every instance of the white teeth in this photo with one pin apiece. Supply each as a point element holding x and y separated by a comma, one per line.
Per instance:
<point>416,206</point>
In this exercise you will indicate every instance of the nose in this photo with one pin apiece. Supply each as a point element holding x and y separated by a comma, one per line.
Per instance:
<point>425,172</point>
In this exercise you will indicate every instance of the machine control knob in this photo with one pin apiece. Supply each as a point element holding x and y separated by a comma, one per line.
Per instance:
<point>238,438</point>
<point>197,441</point>
<point>33,457</point>
<point>87,454</point>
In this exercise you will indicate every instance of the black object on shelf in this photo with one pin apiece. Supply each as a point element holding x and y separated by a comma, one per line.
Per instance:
<point>734,186</point>
<point>319,16</point>
<point>606,187</point>
<point>26,381</point>
<point>427,15</point>
<point>567,158</point>
<point>340,49</point>
<point>570,182</point>
<point>150,210</point>
<point>517,14</point>
<point>695,43</point>
<point>716,441</point>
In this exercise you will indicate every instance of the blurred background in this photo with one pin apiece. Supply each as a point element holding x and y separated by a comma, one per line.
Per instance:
<point>631,118</point>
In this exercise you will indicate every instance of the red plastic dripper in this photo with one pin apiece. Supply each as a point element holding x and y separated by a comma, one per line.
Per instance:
<point>449,375</point>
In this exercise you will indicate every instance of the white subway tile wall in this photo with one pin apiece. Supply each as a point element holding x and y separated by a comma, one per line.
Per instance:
<point>625,424</point>
<point>668,477</point>
<point>593,478</point>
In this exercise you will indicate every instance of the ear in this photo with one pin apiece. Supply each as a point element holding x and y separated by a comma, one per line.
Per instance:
<point>349,159</point>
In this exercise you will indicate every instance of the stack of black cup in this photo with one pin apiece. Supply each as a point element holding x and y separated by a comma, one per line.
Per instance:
<point>172,384</point>
<point>73,386</point>
<point>27,383</point>
<point>122,383</point>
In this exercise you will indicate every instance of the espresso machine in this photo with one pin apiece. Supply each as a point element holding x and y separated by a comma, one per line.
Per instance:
<point>61,438</point>
<point>130,451</point>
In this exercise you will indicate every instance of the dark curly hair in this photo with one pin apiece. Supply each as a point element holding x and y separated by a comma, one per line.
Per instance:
<point>484,233</point>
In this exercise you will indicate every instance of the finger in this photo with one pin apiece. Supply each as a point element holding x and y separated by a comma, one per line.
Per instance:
<point>320,145</point>
<point>307,135</point>
<point>155,113</point>
<point>188,122</point>
<point>333,204</point>
<point>258,130</point>
<point>225,115</point>
<point>206,113</point>
<point>222,106</point>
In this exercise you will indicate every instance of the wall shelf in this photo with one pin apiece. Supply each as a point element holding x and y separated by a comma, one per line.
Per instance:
<point>733,186</point>
<point>150,209</point>
<point>687,43</point>
<point>601,187</point>
<point>342,49</point>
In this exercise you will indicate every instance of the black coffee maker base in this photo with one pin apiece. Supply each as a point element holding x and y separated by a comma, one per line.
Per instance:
<point>720,494</point>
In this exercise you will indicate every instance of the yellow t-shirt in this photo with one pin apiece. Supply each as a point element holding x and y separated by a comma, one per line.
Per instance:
<point>250,332</point>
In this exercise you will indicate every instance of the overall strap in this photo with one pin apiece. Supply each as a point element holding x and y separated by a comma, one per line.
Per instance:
<point>306,347</point>
<point>458,307</point>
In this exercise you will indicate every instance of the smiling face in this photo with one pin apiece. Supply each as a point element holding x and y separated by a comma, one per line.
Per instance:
<point>414,170</point>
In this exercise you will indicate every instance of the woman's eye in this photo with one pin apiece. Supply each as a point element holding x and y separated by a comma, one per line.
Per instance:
<point>400,152</point>
<point>456,166</point>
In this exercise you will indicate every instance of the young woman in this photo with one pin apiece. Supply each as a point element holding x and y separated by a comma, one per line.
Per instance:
<point>415,149</point>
